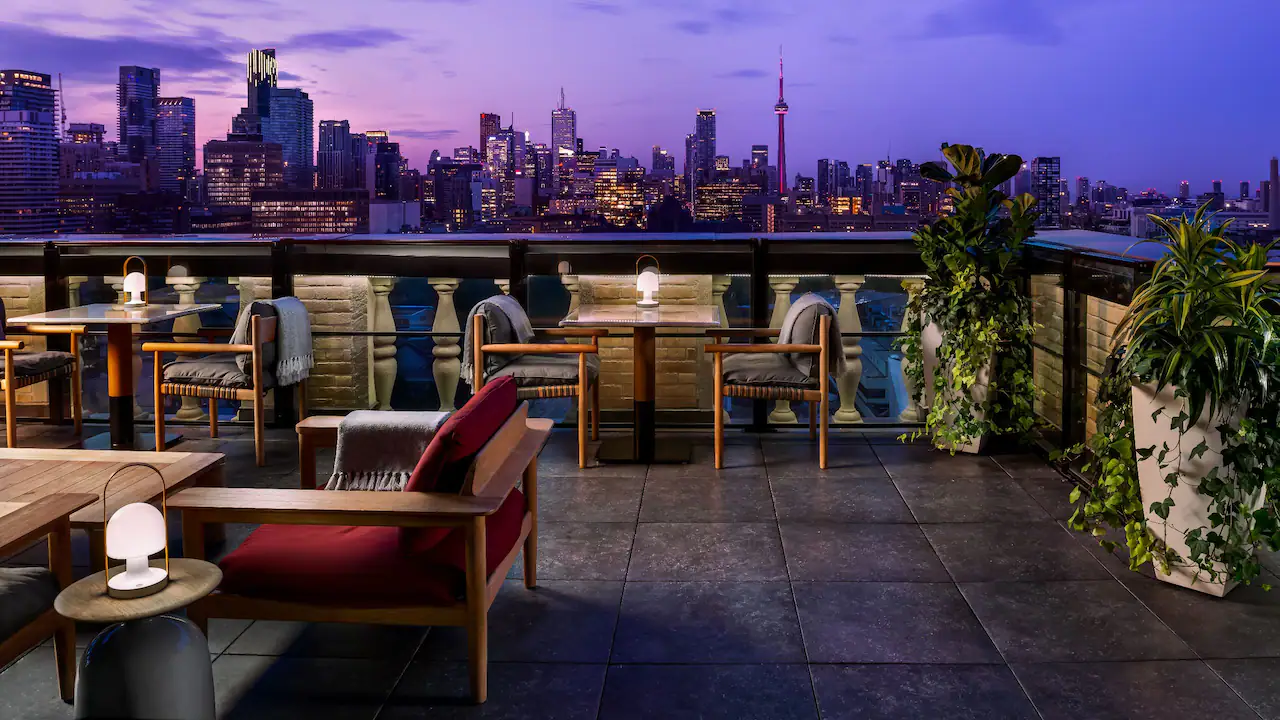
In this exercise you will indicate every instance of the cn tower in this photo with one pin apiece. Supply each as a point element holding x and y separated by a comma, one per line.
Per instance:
<point>781,111</point>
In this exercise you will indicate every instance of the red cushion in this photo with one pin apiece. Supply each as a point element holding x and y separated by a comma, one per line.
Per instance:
<point>444,465</point>
<point>361,566</point>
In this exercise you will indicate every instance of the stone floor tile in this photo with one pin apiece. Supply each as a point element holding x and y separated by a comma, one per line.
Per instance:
<point>730,496</point>
<point>903,692</point>
<point>832,552</point>
<point>980,552</point>
<point>943,498</point>
<point>589,499</point>
<point>581,551</point>
<point>517,691</point>
<point>707,552</point>
<point>811,499</point>
<point>708,692</point>
<point>1125,690</point>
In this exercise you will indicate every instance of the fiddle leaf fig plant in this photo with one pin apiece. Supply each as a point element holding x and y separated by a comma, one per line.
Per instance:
<point>972,294</point>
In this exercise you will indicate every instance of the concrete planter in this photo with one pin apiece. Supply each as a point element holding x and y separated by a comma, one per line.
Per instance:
<point>1190,509</point>
<point>930,340</point>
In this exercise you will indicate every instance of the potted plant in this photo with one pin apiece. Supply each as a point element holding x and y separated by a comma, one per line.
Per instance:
<point>1187,457</point>
<point>967,347</point>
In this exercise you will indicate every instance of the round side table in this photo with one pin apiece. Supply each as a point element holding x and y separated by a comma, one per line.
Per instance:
<point>146,663</point>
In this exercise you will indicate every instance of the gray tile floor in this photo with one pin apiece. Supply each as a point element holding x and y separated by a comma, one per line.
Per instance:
<point>901,583</point>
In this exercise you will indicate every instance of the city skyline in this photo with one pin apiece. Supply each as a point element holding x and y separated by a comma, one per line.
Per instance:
<point>880,89</point>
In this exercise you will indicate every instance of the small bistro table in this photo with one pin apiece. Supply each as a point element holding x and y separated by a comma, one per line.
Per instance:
<point>119,320</point>
<point>642,446</point>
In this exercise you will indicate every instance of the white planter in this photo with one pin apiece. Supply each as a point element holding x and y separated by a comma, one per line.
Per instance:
<point>930,341</point>
<point>1190,509</point>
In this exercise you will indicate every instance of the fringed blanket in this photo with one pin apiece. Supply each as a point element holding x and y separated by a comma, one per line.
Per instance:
<point>378,449</point>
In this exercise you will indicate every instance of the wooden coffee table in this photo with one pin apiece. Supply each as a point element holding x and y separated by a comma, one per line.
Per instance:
<point>28,474</point>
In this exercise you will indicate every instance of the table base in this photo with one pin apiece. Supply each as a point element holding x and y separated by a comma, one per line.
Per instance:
<point>617,451</point>
<point>141,441</point>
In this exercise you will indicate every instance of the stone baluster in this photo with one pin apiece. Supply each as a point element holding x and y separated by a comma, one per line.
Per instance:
<point>570,283</point>
<point>782,287</point>
<point>719,284</point>
<point>847,315</point>
<point>504,285</point>
<point>186,329</point>
<point>117,284</point>
<point>911,413</point>
<point>73,300</point>
<point>446,366</point>
<point>384,346</point>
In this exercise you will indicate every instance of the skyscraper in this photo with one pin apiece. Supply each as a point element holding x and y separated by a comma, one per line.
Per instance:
<point>1082,192</point>
<point>1046,173</point>
<point>176,141</point>
<point>781,109</point>
<point>490,123</point>
<point>136,98</point>
<point>28,154</point>
<point>759,157</point>
<point>662,160</point>
<point>288,123</point>
<point>564,127</point>
<point>690,163</point>
<point>1022,181</point>
<point>1244,189</point>
<point>86,133</point>
<point>826,179</point>
<point>263,77</point>
<point>386,171</point>
<point>843,182</point>
<point>333,157</point>
<point>864,183</point>
<point>1184,189</point>
<point>705,136</point>
<point>1217,187</point>
<point>234,168</point>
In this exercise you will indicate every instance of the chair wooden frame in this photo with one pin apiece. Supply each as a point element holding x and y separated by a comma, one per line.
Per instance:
<point>817,398</point>
<point>510,456</point>
<point>579,389</point>
<point>50,517</point>
<point>262,330</point>
<point>9,384</point>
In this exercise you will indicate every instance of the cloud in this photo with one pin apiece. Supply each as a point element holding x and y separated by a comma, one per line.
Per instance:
<point>289,77</point>
<point>599,6</point>
<point>842,39</point>
<point>693,27</point>
<point>424,134</point>
<point>344,40</point>
<point>206,53</point>
<point>743,74</point>
<point>1026,22</point>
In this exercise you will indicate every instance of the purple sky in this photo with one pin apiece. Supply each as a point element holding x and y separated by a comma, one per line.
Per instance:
<point>1137,92</point>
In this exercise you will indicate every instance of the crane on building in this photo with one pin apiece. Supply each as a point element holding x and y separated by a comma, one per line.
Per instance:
<point>62,107</point>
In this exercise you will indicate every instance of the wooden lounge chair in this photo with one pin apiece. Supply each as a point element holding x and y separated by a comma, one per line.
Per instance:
<point>766,371</point>
<point>23,369</point>
<point>27,617</point>
<point>435,554</point>
<point>218,376</point>
<point>543,370</point>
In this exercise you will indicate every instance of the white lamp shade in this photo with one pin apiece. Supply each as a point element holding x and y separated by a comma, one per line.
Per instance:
<point>135,282</point>
<point>136,530</point>
<point>647,282</point>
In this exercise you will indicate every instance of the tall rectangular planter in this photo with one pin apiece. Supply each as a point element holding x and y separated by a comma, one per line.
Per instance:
<point>930,340</point>
<point>1190,509</point>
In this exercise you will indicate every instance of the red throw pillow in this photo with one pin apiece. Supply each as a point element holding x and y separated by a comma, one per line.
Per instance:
<point>444,465</point>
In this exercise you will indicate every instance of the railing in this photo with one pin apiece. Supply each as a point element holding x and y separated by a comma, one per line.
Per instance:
<point>387,310</point>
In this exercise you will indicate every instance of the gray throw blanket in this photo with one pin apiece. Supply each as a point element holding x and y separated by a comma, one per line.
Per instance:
<point>504,322</point>
<point>294,358</point>
<point>378,449</point>
<point>800,326</point>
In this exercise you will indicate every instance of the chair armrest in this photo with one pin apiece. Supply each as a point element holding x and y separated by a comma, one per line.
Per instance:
<point>762,348</point>
<point>324,507</point>
<point>743,332</point>
<point>537,349</point>
<point>178,347</point>
<point>11,344</point>
<point>33,519</point>
<point>54,329</point>
<point>573,332</point>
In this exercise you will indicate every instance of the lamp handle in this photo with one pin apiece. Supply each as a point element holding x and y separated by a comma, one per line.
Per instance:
<point>146,294</point>
<point>164,511</point>
<point>655,263</point>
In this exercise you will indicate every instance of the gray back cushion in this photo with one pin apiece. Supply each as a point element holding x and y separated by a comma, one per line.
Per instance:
<point>245,360</point>
<point>801,326</point>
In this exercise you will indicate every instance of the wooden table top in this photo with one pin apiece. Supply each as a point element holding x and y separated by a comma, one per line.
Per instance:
<point>28,474</point>
<point>108,314</point>
<point>692,316</point>
<point>87,600</point>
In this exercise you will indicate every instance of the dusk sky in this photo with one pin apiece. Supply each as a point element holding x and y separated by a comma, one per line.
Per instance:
<point>1139,93</point>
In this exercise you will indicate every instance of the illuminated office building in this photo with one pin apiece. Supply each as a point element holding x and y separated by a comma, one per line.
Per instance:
<point>466,154</point>
<point>705,144</point>
<point>334,169</point>
<point>759,157</point>
<point>619,196</point>
<point>1046,172</point>
<point>137,97</point>
<point>490,123</point>
<point>176,141</point>
<point>386,171</point>
<point>87,133</point>
<point>236,167</point>
<point>564,135</point>
<point>662,161</point>
<point>721,200</point>
<point>261,79</point>
<point>28,154</point>
<point>289,124</point>
<point>310,212</point>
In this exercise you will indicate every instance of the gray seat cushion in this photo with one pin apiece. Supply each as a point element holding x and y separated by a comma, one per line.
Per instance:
<point>25,593</point>
<point>213,371</point>
<point>764,369</point>
<point>34,363</point>
<point>538,370</point>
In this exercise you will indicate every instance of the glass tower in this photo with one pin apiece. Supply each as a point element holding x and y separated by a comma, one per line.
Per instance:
<point>176,141</point>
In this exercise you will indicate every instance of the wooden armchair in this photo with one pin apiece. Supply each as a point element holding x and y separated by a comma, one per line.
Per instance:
<point>388,558</point>
<point>30,368</point>
<point>763,372</point>
<point>27,616</point>
<point>217,378</point>
<point>542,370</point>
